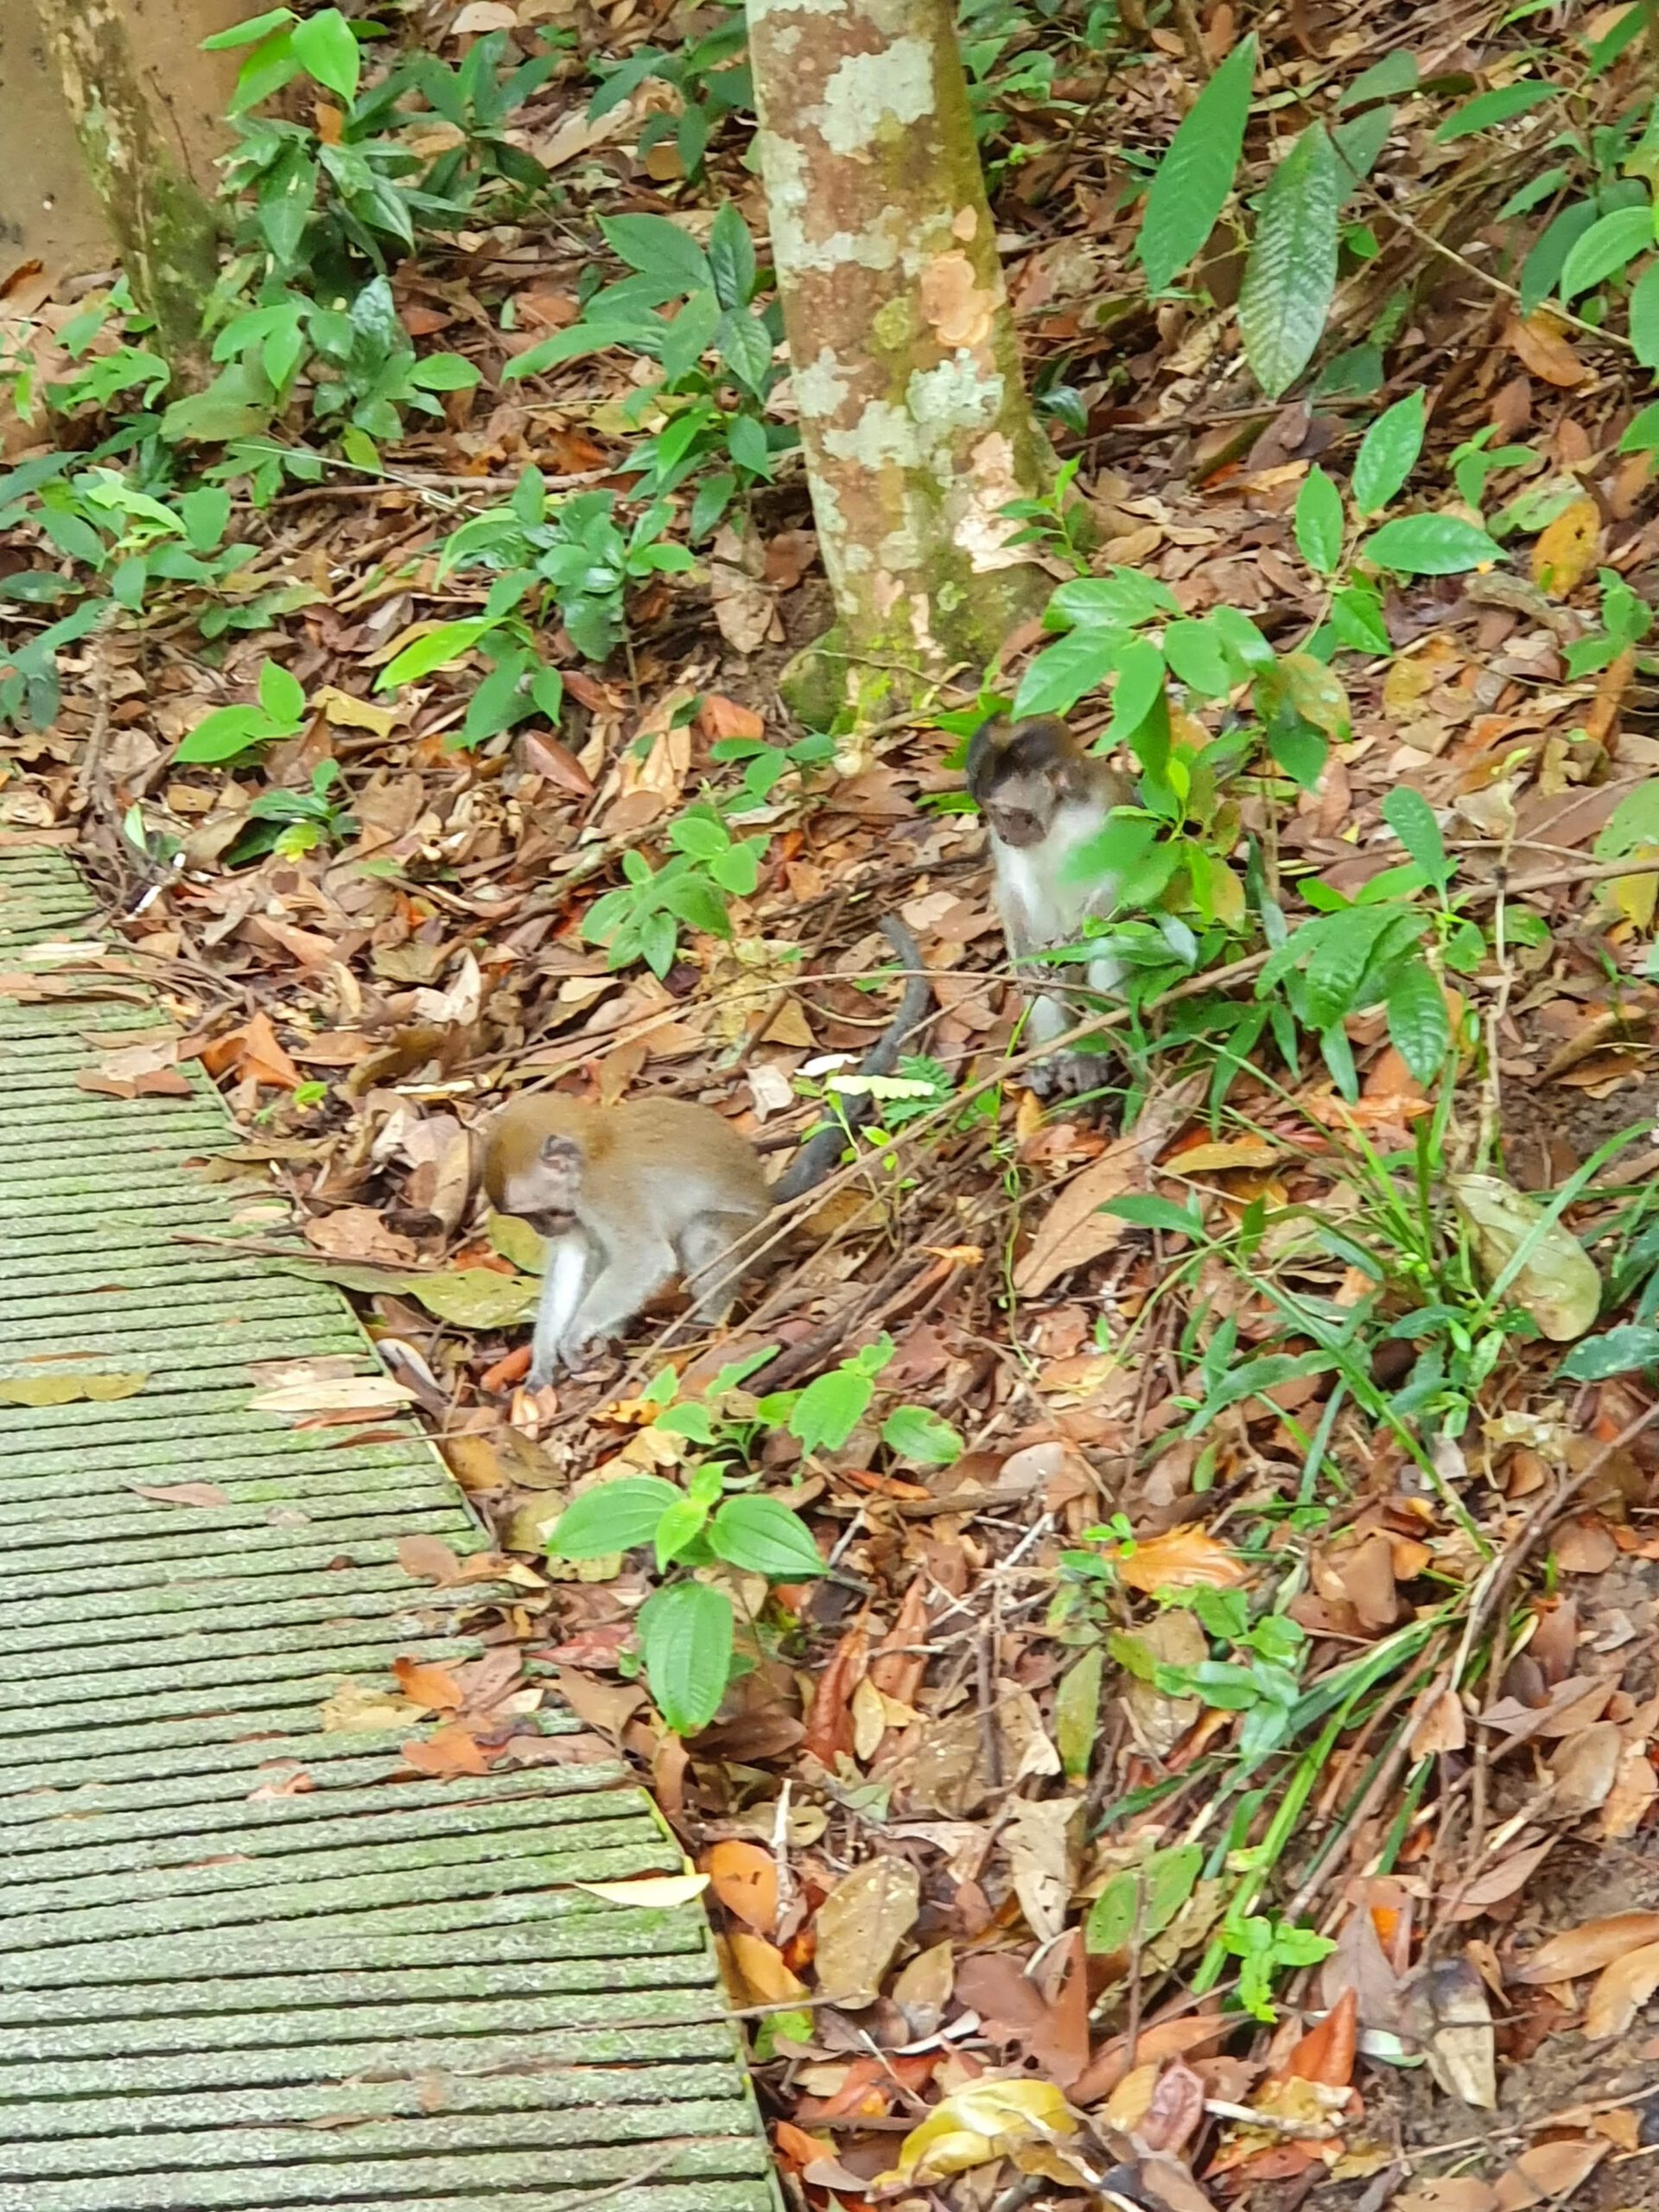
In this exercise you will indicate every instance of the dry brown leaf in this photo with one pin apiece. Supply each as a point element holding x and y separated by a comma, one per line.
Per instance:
<point>1446,2012</point>
<point>763,1969</point>
<point>1501,1881</point>
<point>1074,1231</point>
<point>1623,1987</point>
<point>860,1925</point>
<point>1538,345</point>
<point>1584,1767</point>
<point>1588,1947</point>
<point>1044,1841</point>
<point>1548,2169</point>
<point>203,1494</point>
<point>429,1559</point>
<point>745,1880</point>
<point>447,1752</point>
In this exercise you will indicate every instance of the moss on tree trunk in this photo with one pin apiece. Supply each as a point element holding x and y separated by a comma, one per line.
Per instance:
<point>913,416</point>
<point>163,227</point>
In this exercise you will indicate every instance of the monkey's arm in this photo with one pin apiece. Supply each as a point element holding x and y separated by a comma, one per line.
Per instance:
<point>818,1155</point>
<point>569,1262</point>
<point>638,1259</point>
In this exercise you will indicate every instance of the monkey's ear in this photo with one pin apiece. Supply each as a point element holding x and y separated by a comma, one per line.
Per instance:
<point>560,1152</point>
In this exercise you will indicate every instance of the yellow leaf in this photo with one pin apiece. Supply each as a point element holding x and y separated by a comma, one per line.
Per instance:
<point>1566,552</point>
<point>346,713</point>
<point>1182,1558</point>
<point>1226,1152</point>
<point>66,1390</point>
<point>761,1965</point>
<point>986,2120</point>
<point>657,1889</point>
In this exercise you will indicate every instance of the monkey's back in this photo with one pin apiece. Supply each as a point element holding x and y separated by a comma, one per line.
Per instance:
<point>707,1166</point>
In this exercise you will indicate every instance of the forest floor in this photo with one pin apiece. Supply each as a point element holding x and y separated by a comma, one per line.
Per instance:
<point>1128,1674</point>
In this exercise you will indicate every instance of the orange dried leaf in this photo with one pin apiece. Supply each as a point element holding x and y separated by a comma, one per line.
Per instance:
<point>424,1684</point>
<point>1565,551</point>
<point>745,1880</point>
<point>1624,1986</point>
<point>447,1752</point>
<point>1182,1558</point>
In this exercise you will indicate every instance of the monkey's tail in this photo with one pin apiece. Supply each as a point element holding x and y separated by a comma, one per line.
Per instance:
<point>818,1155</point>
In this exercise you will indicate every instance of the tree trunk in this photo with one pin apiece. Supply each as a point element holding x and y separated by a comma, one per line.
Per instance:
<point>163,227</point>
<point>913,417</point>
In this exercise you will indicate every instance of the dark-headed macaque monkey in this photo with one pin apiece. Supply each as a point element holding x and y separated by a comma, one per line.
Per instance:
<point>1045,799</point>
<point>631,1196</point>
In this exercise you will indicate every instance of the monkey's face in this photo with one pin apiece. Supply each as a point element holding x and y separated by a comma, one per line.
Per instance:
<point>543,1190</point>
<point>1020,809</point>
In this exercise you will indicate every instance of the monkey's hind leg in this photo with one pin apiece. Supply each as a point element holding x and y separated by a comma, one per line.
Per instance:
<point>712,1260</point>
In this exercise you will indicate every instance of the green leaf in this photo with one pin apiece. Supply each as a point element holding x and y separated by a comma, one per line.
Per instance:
<point>761,1536</point>
<point>657,247</point>
<point>323,44</point>
<point>1140,1903</point>
<point>1299,750</point>
<point>830,1409</point>
<point>1418,1022</point>
<point>1196,175</point>
<point>731,256</point>
<point>1488,108</point>
<point>1121,599</point>
<point>1318,522</point>
<point>612,1516</point>
<point>1411,817</point>
<point>1644,323</point>
<point>685,1640</point>
<point>1394,74</point>
<point>1389,453</point>
<point>282,695</point>
<point>1146,1211</point>
<point>1633,823</point>
<point>445,373</point>
<point>1605,248</point>
<point>1430,545</point>
<point>1077,1712</point>
<point>1292,270</point>
<point>1139,689</point>
<point>745,345</point>
<point>1077,665</point>
<point>1197,658</point>
<point>921,1437</point>
<point>1618,1351</point>
<point>437,649</point>
<point>249,33</point>
<point>223,735</point>
<point>1643,436</point>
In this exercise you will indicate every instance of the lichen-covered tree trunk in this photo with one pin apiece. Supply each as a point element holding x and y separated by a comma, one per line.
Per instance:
<point>914,419</point>
<point>162,225</point>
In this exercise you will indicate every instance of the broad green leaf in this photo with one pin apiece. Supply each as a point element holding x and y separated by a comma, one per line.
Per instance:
<point>476,1298</point>
<point>1144,1210</point>
<point>437,649</point>
<point>685,1640</point>
<point>1618,1351</point>
<point>1542,270</point>
<point>762,1536</point>
<point>830,1409</point>
<point>1139,689</point>
<point>731,256</point>
<point>249,33</point>
<point>1140,1903</point>
<point>1077,1712</point>
<point>1196,175</point>
<point>282,695</point>
<point>1605,248</point>
<point>1486,108</point>
<point>1292,270</point>
<point>1418,1022</point>
<point>1430,545</point>
<point>1070,669</point>
<point>921,1437</point>
<point>1197,658</point>
<point>223,735</point>
<point>323,44</point>
<point>1389,453</point>
<point>1318,522</point>
<point>445,373</point>
<point>612,1516</point>
<point>1121,599</point>
<point>1394,74</point>
<point>745,345</point>
<point>657,247</point>
<point>1633,824</point>
<point>1644,322</point>
<point>1412,819</point>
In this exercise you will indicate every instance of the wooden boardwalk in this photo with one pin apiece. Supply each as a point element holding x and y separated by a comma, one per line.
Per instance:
<point>377,1990</point>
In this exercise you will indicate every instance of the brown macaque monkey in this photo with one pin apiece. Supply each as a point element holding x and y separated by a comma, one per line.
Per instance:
<point>1043,800</point>
<point>630,1196</point>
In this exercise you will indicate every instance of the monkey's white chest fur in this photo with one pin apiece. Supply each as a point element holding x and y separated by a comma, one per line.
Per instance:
<point>1043,897</point>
